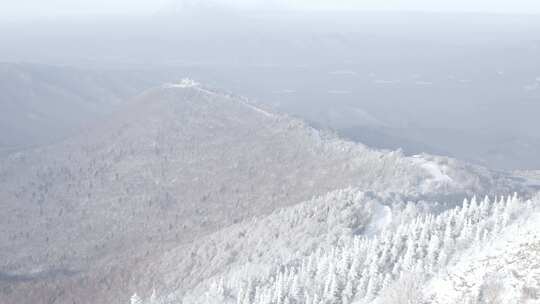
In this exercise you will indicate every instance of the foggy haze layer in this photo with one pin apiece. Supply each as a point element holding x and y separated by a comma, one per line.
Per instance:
<point>15,10</point>
<point>387,79</point>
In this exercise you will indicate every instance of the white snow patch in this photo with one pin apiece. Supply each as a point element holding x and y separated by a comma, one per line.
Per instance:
<point>259,110</point>
<point>189,83</point>
<point>435,170</point>
<point>211,92</point>
<point>426,83</point>
<point>381,219</point>
<point>184,83</point>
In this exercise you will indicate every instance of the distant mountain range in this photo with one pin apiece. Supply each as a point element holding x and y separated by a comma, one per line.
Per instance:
<point>41,104</point>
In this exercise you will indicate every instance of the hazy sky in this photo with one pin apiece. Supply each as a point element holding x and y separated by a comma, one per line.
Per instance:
<point>29,8</point>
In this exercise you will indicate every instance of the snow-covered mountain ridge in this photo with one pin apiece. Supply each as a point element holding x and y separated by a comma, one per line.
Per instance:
<point>268,260</point>
<point>441,175</point>
<point>182,165</point>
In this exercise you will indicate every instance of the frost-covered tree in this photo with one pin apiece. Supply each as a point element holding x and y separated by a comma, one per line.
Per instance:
<point>348,292</point>
<point>296,292</point>
<point>153,297</point>
<point>135,299</point>
<point>333,294</point>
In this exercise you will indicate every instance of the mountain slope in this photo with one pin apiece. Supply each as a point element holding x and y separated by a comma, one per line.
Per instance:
<point>181,162</point>
<point>505,270</point>
<point>342,250</point>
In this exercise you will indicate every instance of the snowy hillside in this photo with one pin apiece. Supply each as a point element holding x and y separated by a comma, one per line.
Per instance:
<point>179,169</point>
<point>347,247</point>
<point>505,269</point>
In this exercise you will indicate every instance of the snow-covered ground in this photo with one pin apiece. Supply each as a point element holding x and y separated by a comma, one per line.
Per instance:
<point>503,270</point>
